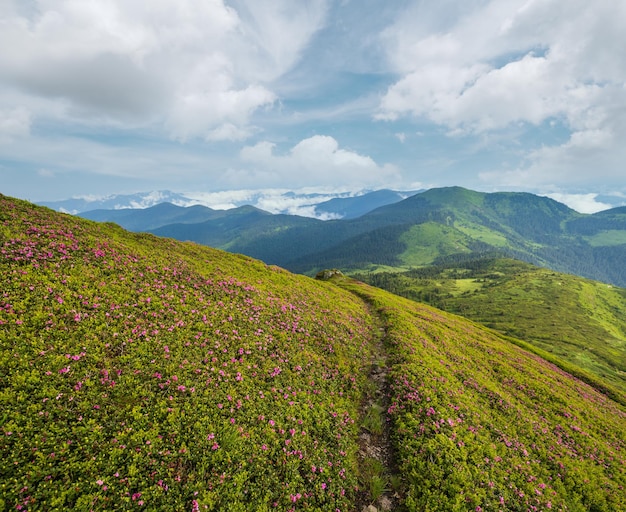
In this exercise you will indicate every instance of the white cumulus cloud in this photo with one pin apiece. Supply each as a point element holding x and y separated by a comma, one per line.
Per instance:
<point>583,203</point>
<point>505,61</point>
<point>314,160</point>
<point>478,67</point>
<point>198,68</point>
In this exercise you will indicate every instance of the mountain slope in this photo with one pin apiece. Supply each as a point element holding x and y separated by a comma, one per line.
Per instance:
<point>576,319</point>
<point>247,223</point>
<point>514,221</point>
<point>450,222</point>
<point>140,372</point>
<point>482,425</point>
<point>167,217</point>
<point>145,219</point>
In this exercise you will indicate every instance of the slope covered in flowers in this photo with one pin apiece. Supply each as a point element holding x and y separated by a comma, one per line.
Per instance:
<point>479,424</point>
<point>139,373</point>
<point>142,373</point>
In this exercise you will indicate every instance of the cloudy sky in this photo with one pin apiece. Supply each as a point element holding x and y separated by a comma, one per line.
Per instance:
<point>118,96</point>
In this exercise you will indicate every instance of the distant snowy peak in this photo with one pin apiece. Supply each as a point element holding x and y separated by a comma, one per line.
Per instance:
<point>82,204</point>
<point>321,205</point>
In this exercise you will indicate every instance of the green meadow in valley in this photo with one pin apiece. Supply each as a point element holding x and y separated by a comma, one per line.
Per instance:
<point>577,320</point>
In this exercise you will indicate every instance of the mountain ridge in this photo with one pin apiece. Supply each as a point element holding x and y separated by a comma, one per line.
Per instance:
<point>416,231</point>
<point>322,205</point>
<point>531,228</point>
<point>164,214</point>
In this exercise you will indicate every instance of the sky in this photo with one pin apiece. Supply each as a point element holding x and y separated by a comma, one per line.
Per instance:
<point>101,97</point>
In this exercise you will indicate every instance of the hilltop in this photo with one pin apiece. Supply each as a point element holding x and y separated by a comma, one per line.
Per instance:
<point>144,373</point>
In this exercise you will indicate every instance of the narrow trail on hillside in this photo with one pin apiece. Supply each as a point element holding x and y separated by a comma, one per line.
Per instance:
<point>380,482</point>
<point>379,477</point>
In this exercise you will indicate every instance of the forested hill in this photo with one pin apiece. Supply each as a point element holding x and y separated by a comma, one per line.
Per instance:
<point>448,224</point>
<point>427,228</point>
<point>143,373</point>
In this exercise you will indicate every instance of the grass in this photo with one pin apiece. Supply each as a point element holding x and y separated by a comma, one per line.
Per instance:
<point>575,319</point>
<point>482,233</point>
<point>377,486</point>
<point>608,237</point>
<point>373,420</point>
<point>373,478</point>
<point>425,242</point>
<point>140,373</point>
<point>481,424</point>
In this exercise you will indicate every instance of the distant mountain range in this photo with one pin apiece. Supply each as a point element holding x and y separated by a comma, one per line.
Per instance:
<point>438,225</point>
<point>325,206</point>
<point>78,205</point>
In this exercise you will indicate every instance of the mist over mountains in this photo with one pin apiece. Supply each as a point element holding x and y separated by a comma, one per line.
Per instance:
<point>322,205</point>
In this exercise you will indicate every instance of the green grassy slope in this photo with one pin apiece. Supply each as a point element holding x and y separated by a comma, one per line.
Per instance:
<point>428,241</point>
<point>144,373</point>
<point>480,424</point>
<point>576,319</point>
